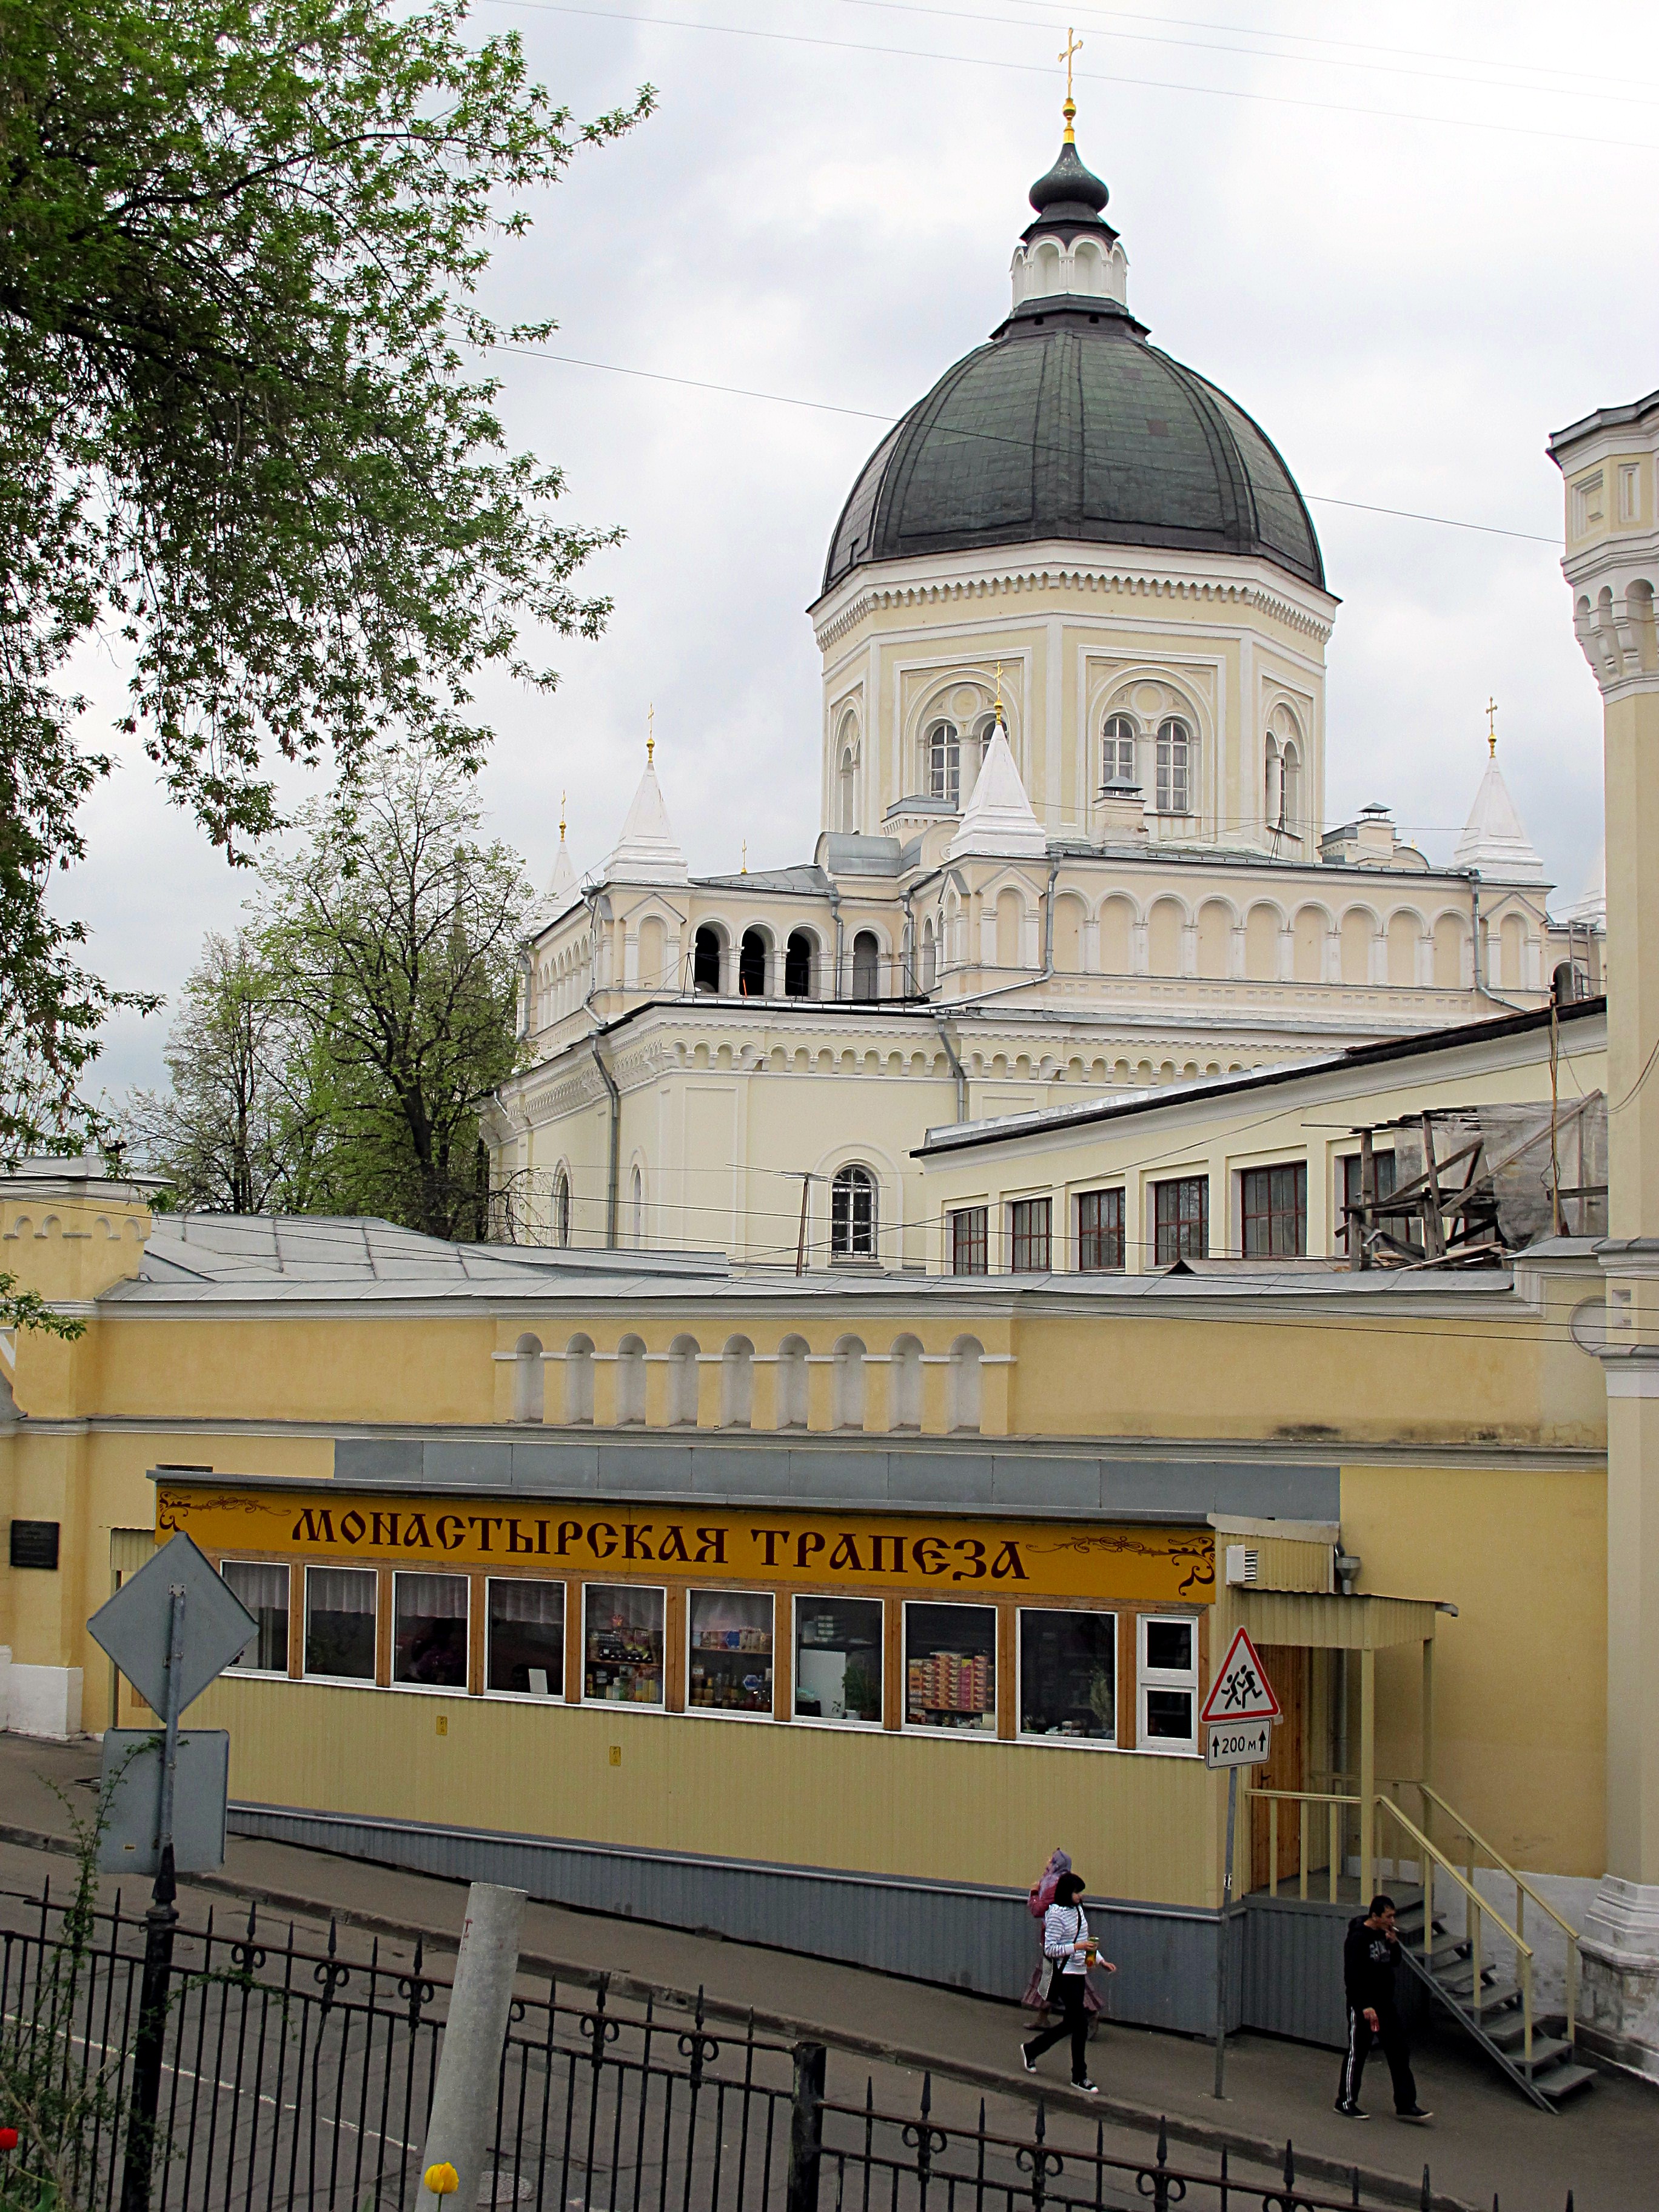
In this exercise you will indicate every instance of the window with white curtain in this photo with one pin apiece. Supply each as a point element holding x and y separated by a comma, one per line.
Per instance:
<point>340,1610</point>
<point>526,1655</point>
<point>429,1631</point>
<point>263,1590</point>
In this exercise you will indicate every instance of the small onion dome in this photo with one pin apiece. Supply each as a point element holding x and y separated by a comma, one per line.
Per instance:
<point>1070,193</point>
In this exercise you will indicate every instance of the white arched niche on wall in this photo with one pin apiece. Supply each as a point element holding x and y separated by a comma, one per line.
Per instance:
<point>630,1381</point>
<point>906,1373</point>
<point>527,1385</point>
<point>682,1382</point>
<point>578,1379</point>
<point>848,1412</point>
<point>964,1381</point>
<point>636,1208</point>
<point>791,1383</point>
<point>737,1383</point>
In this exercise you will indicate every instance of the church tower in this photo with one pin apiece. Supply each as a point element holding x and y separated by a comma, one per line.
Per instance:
<point>1073,507</point>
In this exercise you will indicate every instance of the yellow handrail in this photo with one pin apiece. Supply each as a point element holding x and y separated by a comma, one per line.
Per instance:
<point>1523,1889</point>
<point>1477,1905</point>
<point>1304,1798</point>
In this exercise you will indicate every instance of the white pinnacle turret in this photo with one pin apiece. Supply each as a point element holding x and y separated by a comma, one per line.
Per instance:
<point>561,891</point>
<point>648,852</point>
<point>998,823</point>
<point>1493,840</point>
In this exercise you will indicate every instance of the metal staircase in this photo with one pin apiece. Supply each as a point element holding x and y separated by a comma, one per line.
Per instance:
<point>1497,2018</point>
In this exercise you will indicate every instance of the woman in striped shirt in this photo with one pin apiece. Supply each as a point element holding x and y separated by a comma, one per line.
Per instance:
<point>1070,1951</point>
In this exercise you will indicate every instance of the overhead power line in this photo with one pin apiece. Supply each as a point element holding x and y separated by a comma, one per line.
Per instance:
<point>1117,78</point>
<point>869,415</point>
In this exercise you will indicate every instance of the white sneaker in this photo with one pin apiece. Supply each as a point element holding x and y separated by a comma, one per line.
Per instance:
<point>1088,2088</point>
<point>1026,2060</point>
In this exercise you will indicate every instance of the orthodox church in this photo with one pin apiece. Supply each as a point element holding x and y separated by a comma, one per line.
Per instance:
<point>1072,627</point>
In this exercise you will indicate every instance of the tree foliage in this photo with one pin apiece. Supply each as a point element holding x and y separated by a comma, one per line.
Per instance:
<point>337,1056</point>
<point>240,242</point>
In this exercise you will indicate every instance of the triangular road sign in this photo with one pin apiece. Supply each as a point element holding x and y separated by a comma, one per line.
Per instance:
<point>1242,1691</point>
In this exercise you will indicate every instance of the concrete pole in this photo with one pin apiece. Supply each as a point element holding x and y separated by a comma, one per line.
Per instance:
<point>463,2114</point>
<point>1609,461</point>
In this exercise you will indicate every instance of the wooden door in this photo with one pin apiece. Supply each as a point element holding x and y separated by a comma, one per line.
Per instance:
<point>1286,1667</point>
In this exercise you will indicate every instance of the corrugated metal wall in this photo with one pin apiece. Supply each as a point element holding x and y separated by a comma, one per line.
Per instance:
<point>977,1939</point>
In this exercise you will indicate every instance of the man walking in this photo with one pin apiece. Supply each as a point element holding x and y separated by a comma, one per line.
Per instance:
<point>1370,1955</point>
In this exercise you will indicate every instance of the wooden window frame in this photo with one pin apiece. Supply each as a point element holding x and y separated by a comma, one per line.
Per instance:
<point>1031,1236</point>
<point>975,1220</point>
<point>1102,1233</point>
<point>722,1712</point>
<point>906,1726</point>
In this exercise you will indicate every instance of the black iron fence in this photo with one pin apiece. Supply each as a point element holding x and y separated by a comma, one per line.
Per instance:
<point>299,2076</point>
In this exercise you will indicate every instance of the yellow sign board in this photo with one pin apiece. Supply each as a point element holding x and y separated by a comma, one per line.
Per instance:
<point>920,1551</point>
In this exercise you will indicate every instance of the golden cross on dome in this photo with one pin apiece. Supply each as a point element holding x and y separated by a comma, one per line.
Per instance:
<point>650,735</point>
<point>1491,726</point>
<point>1073,45</point>
<point>563,795</point>
<point>999,691</point>
<point>745,856</point>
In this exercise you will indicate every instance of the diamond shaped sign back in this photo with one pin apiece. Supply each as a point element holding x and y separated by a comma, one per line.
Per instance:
<point>136,1626</point>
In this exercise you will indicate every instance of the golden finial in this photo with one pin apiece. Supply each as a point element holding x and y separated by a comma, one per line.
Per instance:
<point>650,735</point>
<point>745,856</point>
<point>564,796</point>
<point>998,690</point>
<point>1073,45</point>
<point>1492,727</point>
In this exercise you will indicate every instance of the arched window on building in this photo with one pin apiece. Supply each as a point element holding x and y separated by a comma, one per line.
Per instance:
<point>706,961</point>
<point>1290,817</point>
<point>1273,797</point>
<point>941,760</point>
<point>797,966</point>
<point>630,1381</point>
<point>905,1369</point>
<point>792,1388</point>
<point>527,1384</point>
<point>737,1383</point>
<point>853,1214</point>
<point>848,816</point>
<point>682,1382</point>
<point>562,1208</point>
<point>637,1209</point>
<point>929,955</point>
<point>1117,753</point>
<point>578,1379</point>
<point>866,965</point>
<point>751,965</point>
<point>1177,766</point>
<point>848,1410</point>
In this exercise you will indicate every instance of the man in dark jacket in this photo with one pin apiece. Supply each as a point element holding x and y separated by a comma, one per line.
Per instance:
<point>1370,1956</point>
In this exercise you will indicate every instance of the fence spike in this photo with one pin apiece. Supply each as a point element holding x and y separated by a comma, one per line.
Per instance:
<point>1164,2143</point>
<point>1355,2185</point>
<point>699,2011</point>
<point>251,1911</point>
<point>1289,2164</point>
<point>1041,2119</point>
<point>927,2094</point>
<point>333,1936</point>
<point>1569,2201</point>
<point>417,1955</point>
<point>1428,2194</point>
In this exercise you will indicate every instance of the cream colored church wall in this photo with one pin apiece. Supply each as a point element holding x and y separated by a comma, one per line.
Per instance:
<point>1069,647</point>
<point>1220,1138</point>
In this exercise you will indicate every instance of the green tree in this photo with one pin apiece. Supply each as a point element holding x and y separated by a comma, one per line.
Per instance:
<point>240,242</point>
<point>240,1129</point>
<point>396,937</point>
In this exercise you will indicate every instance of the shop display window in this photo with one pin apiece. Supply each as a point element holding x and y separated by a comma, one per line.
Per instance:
<point>526,1657</point>
<point>838,1652</point>
<point>729,1653</point>
<point>428,1631</point>
<point>1068,1674</point>
<point>1169,1682</point>
<point>340,1609</point>
<point>951,1667</point>
<point>623,1643</point>
<point>263,1590</point>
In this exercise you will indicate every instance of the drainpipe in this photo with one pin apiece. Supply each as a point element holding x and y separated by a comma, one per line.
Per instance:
<point>1049,922</point>
<point>835,909</point>
<point>609,1081</point>
<point>1474,894</point>
<point>956,1068</point>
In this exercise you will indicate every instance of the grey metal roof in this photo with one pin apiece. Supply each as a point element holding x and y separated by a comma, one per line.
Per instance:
<point>301,1254</point>
<point>1067,425</point>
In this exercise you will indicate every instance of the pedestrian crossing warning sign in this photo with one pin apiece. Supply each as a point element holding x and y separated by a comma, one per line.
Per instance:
<point>1241,1690</point>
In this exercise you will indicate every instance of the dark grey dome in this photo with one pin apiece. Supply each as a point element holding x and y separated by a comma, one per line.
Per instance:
<point>1066,424</point>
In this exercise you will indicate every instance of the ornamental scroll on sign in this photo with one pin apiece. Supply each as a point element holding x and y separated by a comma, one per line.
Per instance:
<point>1040,1558</point>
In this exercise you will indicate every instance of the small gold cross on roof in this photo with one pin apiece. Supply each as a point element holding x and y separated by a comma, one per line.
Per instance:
<point>650,735</point>
<point>1073,45</point>
<point>1492,727</point>
<point>562,797</point>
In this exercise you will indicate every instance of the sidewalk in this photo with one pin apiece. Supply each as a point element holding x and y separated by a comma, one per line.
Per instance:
<point>1485,2138</point>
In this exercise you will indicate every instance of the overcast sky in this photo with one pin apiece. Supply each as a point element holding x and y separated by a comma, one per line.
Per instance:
<point>1410,261</point>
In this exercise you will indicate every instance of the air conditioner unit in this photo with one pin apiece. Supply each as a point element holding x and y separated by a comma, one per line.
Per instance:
<point>1242,1563</point>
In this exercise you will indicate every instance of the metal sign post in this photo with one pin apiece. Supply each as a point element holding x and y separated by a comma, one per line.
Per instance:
<point>170,1629</point>
<point>159,1923</point>
<point>1239,1716</point>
